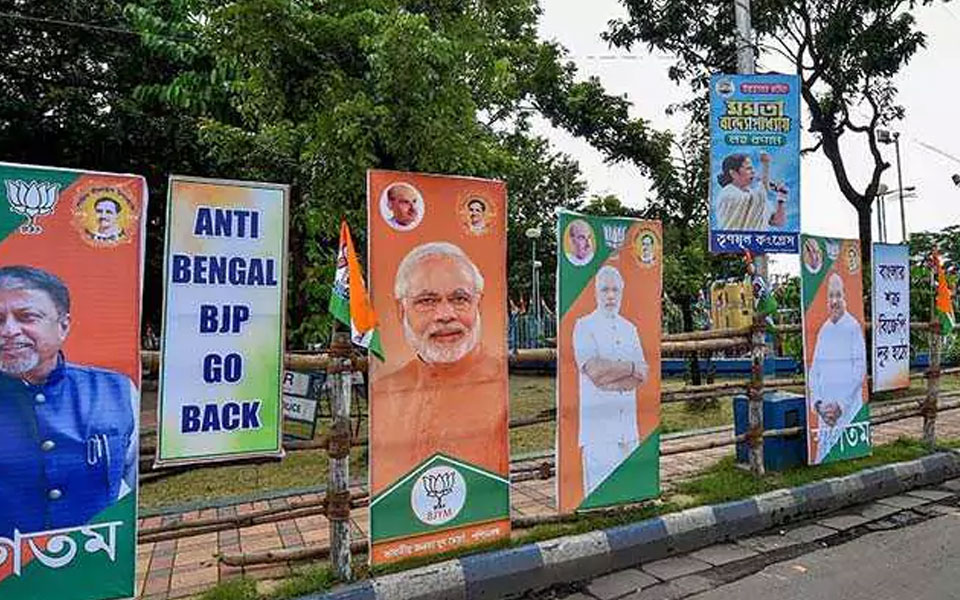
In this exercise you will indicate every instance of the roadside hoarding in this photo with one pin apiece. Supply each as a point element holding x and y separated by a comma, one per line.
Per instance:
<point>608,360</point>
<point>438,402</point>
<point>835,356</point>
<point>71,273</point>
<point>891,316</point>
<point>754,163</point>
<point>223,318</point>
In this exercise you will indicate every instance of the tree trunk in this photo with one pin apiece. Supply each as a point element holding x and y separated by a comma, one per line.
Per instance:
<point>686,314</point>
<point>864,212</point>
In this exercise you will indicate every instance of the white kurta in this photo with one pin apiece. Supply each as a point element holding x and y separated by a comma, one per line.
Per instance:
<point>836,375</point>
<point>608,419</point>
<point>742,209</point>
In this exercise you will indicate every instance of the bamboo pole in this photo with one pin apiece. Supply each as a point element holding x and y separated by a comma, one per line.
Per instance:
<point>338,476</point>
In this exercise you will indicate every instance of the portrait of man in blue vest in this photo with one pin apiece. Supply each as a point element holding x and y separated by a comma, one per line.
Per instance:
<point>68,432</point>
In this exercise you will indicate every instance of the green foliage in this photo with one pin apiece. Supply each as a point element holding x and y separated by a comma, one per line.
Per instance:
<point>233,589</point>
<point>846,54</point>
<point>69,100</point>
<point>316,94</point>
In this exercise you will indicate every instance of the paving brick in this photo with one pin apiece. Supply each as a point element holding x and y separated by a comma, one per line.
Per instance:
<point>617,584</point>
<point>875,511</point>
<point>187,593</point>
<point>903,502</point>
<point>675,566</point>
<point>162,562</point>
<point>768,543</point>
<point>197,577</point>
<point>156,585</point>
<point>951,484</point>
<point>842,522</point>
<point>935,510</point>
<point>721,554</point>
<point>810,533</point>
<point>692,584</point>
<point>935,495</point>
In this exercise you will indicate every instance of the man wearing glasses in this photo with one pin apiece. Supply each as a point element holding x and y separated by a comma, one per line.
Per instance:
<point>438,292</point>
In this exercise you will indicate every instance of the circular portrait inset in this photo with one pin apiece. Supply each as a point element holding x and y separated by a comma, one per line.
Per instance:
<point>401,206</point>
<point>579,242</point>
<point>105,217</point>
<point>646,247</point>
<point>853,258</point>
<point>476,215</point>
<point>812,256</point>
<point>833,248</point>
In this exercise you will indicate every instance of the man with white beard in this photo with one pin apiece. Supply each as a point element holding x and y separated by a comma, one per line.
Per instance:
<point>430,407</point>
<point>68,437</point>
<point>611,367</point>
<point>838,370</point>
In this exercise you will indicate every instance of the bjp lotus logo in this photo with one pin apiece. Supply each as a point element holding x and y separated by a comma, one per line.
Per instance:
<point>32,200</point>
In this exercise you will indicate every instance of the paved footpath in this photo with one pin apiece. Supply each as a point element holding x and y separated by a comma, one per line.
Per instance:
<point>896,547</point>
<point>186,567</point>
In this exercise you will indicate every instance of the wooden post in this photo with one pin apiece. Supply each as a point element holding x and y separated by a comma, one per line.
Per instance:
<point>338,494</point>
<point>755,396</point>
<point>933,388</point>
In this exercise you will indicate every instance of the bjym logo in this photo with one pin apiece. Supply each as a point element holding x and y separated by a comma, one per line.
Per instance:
<point>231,416</point>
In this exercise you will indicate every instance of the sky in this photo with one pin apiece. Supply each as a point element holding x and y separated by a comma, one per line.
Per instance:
<point>928,88</point>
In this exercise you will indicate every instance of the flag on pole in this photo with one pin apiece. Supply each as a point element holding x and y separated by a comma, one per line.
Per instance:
<point>763,301</point>
<point>944,300</point>
<point>349,302</point>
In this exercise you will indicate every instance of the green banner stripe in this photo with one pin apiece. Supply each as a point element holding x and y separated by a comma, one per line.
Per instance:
<point>487,499</point>
<point>90,575</point>
<point>10,220</point>
<point>859,451</point>
<point>636,478</point>
<point>810,282</point>
<point>572,279</point>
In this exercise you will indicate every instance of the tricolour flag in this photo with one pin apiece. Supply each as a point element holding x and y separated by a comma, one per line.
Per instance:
<point>944,300</point>
<point>349,302</point>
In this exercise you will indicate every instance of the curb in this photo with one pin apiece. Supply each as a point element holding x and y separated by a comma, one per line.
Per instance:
<point>515,571</point>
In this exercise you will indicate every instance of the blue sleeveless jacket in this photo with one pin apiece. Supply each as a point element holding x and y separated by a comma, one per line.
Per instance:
<point>65,447</point>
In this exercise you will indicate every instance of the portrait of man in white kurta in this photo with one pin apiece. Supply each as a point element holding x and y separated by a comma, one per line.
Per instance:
<point>611,367</point>
<point>838,370</point>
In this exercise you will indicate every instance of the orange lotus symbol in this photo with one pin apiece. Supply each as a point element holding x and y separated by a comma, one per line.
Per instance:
<point>32,200</point>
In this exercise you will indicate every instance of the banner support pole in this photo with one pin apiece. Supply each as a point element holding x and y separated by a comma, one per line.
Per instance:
<point>338,493</point>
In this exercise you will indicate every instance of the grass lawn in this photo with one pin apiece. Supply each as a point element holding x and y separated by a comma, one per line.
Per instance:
<point>529,396</point>
<point>721,483</point>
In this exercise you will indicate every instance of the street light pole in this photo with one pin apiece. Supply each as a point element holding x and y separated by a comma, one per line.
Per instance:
<point>747,65</point>
<point>534,234</point>
<point>903,216</point>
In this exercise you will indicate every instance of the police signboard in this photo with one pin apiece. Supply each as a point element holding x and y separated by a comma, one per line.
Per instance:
<point>301,392</point>
<point>224,303</point>
<point>71,250</point>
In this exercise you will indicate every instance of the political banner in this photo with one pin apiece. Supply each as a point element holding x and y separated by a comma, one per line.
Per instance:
<point>223,317</point>
<point>891,316</point>
<point>834,350</point>
<point>608,360</point>
<point>71,272</point>
<point>754,163</point>
<point>439,458</point>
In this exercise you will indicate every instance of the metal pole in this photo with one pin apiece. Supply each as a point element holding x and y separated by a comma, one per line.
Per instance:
<point>535,282</point>
<point>882,216</point>
<point>903,216</point>
<point>746,64</point>
<point>338,493</point>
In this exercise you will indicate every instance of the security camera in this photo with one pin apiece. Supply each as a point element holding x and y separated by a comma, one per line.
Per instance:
<point>956,179</point>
